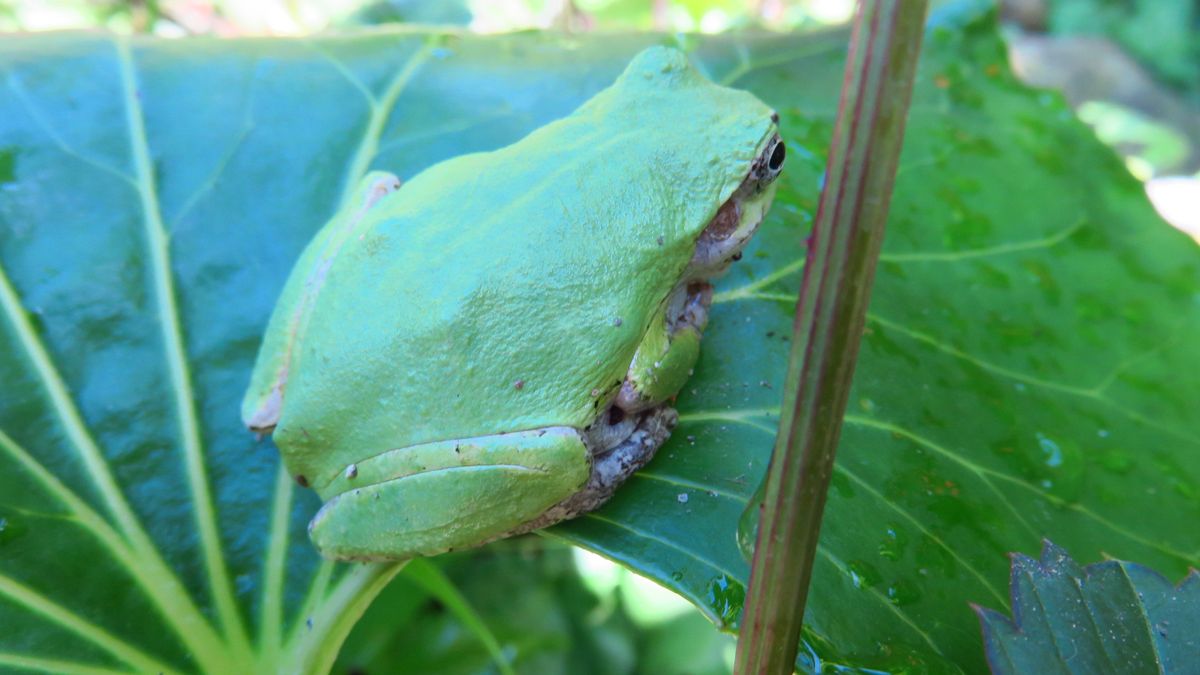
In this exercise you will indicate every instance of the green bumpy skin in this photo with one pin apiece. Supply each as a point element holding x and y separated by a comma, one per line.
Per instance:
<point>494,293</point>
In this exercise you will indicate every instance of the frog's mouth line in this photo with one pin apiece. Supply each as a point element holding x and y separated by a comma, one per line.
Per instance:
<point>722,241</point>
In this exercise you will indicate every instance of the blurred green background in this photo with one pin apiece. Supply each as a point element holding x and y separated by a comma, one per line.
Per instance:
<point>1131,69</point>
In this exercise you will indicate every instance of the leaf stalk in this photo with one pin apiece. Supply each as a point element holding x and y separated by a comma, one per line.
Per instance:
<point>830,313</point>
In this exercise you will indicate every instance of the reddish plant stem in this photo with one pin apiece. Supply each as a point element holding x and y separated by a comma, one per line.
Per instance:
<point>840,268</point>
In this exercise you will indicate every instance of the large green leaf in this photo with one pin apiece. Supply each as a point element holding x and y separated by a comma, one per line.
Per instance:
<point>1021,376</point>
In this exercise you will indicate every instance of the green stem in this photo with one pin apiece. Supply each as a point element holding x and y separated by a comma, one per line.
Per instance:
<point>314,645</point>
<point>838,273</point>
<point>435,582</point>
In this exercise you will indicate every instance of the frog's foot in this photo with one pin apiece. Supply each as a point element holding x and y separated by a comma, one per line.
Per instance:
<point>646,433</point>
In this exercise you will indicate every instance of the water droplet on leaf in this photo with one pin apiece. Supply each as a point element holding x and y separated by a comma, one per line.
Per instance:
<point>726,597</point>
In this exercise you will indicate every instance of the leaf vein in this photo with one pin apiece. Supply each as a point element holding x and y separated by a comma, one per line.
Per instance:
<point>747,65</point>
<point>980,472</point>
<point>381,112</point>
<point>274,572</point>
<point>984,473</point>
<point>40,604</point>
<point>158,245</point>
<point>690,484</point>
<point>342,69</point>
<point>659,540</point>
<point>34,114</point>
<point>55,666</point>
<point>169,594</point>
<point>210,181</point>
<point>904,513</point>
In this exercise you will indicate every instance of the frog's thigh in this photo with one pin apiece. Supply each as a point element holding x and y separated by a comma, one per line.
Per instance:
<point>430,498</point>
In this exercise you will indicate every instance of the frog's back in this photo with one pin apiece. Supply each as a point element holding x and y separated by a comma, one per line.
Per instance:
<point>529,274</point>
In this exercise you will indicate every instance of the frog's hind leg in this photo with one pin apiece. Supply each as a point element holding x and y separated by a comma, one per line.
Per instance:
<point>444,495</point>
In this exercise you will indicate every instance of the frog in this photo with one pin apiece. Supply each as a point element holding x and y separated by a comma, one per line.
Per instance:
<point>496,344</point>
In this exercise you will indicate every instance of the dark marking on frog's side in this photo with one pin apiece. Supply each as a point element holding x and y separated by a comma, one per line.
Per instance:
<point>615,415</point>
<point>301,480</point>
<point>726,221</point>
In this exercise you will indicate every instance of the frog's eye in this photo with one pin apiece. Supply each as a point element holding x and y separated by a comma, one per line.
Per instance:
<point>777,156</point>
<point>770,162</point>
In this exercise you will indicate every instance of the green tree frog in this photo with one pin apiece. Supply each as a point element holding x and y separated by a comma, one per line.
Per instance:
<point>495,346</point>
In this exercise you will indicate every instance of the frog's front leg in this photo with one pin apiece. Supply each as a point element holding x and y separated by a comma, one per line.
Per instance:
<point>436,497</point>
<point>667,354</point>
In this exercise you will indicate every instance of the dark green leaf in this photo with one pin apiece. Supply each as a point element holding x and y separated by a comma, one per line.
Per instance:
<point>1109,617</point>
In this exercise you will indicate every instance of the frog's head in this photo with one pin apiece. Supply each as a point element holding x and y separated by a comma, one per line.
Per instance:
<point>717,148</point>
<point>725,154</point>
<point>722,240</point>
